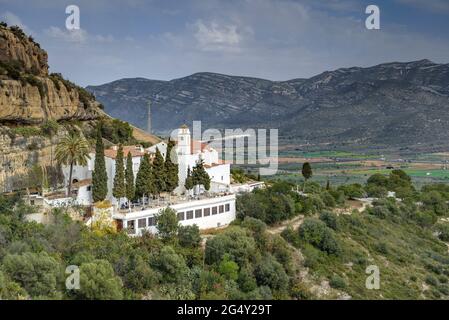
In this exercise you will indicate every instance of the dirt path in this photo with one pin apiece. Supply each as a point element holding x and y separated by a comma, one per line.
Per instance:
<point>294,223</point>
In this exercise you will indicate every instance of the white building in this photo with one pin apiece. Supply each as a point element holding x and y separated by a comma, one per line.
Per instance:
<point>188,152</point>
<point>211,209</point>
<point>207,213</point>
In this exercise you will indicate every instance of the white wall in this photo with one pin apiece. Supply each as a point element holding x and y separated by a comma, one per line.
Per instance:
<point>205,222</point>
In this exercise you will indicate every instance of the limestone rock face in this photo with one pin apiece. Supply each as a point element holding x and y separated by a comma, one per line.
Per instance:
<point>19,154</point>
<point>29,98</point>
<point>16,46</point>
<point>23,103</point>
<point>28,95</point>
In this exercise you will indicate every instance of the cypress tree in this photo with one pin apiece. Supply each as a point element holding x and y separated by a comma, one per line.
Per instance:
<point>188,184</point>
<point>306,173</point>
<point>118,190</point>
<point>99,175</point>
<point>158,172</point>
<point>200,176</point>
<point>171,169</point>
<point>144,179</point>
<point>129,178</point>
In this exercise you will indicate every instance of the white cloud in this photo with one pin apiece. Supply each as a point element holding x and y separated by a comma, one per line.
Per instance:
<point>13,20</point>
<point>74,36</point>
<point>215,37</point>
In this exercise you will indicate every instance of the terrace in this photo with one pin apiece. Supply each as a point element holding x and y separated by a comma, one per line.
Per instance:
<point>166,200</point>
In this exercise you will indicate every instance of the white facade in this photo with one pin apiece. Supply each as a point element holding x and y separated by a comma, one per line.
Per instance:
<point>206,214</point>
<point>187,154</point>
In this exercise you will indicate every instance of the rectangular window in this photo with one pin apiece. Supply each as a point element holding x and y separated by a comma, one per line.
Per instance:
<point>189,214</point>
<point>198,213</point>
<point>206,212</point>
<point>151,221</point>
<point>89,188</point>
<point>227,207</point>
<point>214,210</point>
<point>142,223</point>
<point>180,216</point>
<point>221,209</point>
<point>131,227</point>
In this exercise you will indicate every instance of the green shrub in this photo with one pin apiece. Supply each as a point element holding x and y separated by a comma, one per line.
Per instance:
<point>382,248</point>
<point>27,131</point>
<point>328,199</point>
<point>444,289</point>
<point>316,233</point>
<point>291,236</point>
<point>352,191</point>
<point>337,282</point>
<point>189,236</point>
<point>443,231</point>
<point>431,280</point>
<point>330,219</point>
<point>313,204</point>
<point>376,191</point>
<point>50,127</point>
<point>269,272</point>
<point>380,211</point>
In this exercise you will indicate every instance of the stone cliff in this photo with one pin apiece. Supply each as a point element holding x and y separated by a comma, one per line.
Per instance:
<point>31,101</point>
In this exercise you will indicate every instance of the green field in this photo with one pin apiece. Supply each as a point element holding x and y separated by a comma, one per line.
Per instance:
<point>428,173</point>
<point>327,154</point>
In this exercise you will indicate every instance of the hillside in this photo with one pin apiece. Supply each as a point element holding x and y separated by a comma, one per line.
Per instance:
<point>394,105</point>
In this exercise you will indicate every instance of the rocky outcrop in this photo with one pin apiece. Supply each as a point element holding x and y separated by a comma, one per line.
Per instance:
<point>28,95</point>
<point>28,104</point>
<point>15,45</point>
<point>30,99</point>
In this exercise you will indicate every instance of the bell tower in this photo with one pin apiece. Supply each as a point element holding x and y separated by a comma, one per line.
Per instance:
<point>184,142</point>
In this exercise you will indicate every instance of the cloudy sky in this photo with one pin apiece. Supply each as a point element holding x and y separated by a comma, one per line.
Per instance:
<point>272,39</point>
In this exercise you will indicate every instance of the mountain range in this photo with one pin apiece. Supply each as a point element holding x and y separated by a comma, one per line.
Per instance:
<point>398,105</point>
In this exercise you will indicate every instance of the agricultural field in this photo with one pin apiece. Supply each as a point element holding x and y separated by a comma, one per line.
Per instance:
<point>343,167</point>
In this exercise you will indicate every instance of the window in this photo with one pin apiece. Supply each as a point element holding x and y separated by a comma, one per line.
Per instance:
<point>89,188</point>
<point>227,207</point>
<point>221,209</point>
<point>206,212</point>
<point>142,223</point>
<point>221,178</point>
<point>180,216</point>
<point>131,227</point>
<point>151,221</point>
<point>198,213</point>
<point>189,214</point>
<point>214,210</point>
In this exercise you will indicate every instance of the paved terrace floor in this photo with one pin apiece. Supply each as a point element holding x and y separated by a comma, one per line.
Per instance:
<point>168,201</point>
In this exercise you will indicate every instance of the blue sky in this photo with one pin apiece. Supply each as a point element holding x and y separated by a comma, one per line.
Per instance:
<point>272,39</point>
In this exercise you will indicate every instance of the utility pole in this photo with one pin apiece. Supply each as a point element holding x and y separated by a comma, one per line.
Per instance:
<point>149,117</point>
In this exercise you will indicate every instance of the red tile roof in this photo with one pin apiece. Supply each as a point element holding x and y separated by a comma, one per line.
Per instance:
<point>135,152</point>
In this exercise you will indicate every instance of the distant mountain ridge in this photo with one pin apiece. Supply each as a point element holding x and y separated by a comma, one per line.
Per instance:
<point>402,105</point>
